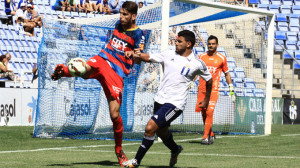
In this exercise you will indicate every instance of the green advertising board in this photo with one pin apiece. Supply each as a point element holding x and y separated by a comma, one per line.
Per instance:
<point>250,112</point>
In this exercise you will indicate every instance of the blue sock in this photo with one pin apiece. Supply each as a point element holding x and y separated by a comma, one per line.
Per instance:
<point>145,146</point>
<point>170,143</point>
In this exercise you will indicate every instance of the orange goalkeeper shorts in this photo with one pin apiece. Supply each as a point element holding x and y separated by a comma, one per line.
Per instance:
<point>212,101</point>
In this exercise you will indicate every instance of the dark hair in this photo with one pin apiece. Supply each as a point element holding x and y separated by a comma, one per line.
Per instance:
<point>211,37</point>
<point>188,36</point>
<point>131,7</point>
<point>2,57</point>
<point>141,2</point>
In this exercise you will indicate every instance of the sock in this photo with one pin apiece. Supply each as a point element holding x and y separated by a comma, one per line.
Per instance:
<point>170,143</point>
<point>145,146</point>
<point>118,133</point>
<point>208,123</point>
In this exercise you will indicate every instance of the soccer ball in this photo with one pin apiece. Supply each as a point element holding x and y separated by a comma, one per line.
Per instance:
<point>77,67</point>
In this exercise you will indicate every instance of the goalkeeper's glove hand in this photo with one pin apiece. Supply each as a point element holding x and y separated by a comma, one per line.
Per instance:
<point>58,72</point>
<point>231,93</point>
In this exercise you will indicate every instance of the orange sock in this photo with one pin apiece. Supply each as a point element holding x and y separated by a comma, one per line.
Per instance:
<point>208,123</point>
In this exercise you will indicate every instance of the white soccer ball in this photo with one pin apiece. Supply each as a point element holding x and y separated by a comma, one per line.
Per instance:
<point>77,67</point>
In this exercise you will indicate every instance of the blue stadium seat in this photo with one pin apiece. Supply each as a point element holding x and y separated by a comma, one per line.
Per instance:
<point>277,47</point>
<point>285,9</point>
<point>294,19</point>
<point>286,54</point>
<point>199,50</point>
<point>294,28</point>
<point>231,63</point>
<point>291,36</point>
<point>291,45</point>
<point>248,92</point>
<point>239,92</point>
<point>249,83</point>
<point>287,2</point>
<point>282,26</point>
<point>281,17</point>
<point>263,6</point>
<point>240,73</point>
<point>253,1</point>
<point>276,2</point>
<point>238,82</point>
<point>232,74</point>
<point>259,93</point>
<point>280,35</point>
<point>267,2</point>
<point>297,2</point>
<point>296,9</point>
<point>274,8</point>
<point>296,65</point>
<point>297,54</point>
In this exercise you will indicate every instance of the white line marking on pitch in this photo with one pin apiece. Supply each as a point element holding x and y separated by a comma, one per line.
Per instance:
<point>200,154</point>
<point>291,135</point>
<point>95,146</point>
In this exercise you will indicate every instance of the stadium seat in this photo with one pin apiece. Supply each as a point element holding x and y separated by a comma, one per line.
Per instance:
<point>276,2</point>
<point>263,6</point>
<point>282,26</point>
<point>238,82</point>
<point>288,54</point>
<point>297,2</point>
<point>294,19</point>
<point>277,47</point>
<point>249,83</point>
<point>280,35</point>
<point>232,74</point>
<point>253,1</point>
<point>291,45</point>
<point>297,54</point>
<point>296,9</point>
<point>281,17</point>
<point>259,93</point>
<point>199,50</point>
<point>240,73</point>
<point>239,92</point>
<point>291,36</point>
<point>296,65</point>
<point>264,2</point>
<point>287,2</point>
<point>274,8</point>
<point>285,9</point>
<point>248,92</point>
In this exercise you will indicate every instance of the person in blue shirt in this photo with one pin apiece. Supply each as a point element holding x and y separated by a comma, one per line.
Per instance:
<point>114,6</point>
<point>9,7</point>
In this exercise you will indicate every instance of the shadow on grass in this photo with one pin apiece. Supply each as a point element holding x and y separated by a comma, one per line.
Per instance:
<point>102,163</point>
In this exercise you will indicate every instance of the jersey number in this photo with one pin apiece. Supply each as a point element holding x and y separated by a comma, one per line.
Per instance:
<point>185,71</point>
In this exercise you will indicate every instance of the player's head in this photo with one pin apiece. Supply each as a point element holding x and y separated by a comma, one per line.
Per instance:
<point>185,41</point>
<point>128,13</point>
<point>212,43</point>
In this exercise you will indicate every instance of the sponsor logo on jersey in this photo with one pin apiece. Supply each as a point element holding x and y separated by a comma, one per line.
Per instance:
<point>93,60</point>
<point>212,69</point>
<point>118,44</point>
<point>117,89</point>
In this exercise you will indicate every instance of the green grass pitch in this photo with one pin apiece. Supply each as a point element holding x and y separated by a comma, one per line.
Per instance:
<point>280,149</point>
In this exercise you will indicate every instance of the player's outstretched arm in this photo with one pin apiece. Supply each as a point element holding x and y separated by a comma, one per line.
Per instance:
<point>138,56</point>
<point>60,71</point>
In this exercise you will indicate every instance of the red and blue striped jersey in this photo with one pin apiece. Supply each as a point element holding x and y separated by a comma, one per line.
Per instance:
<point>121,41</point>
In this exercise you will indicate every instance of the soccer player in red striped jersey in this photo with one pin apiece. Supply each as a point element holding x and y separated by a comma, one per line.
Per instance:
<point>113,64</point>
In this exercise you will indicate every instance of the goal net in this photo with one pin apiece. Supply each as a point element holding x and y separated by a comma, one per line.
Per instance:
<point>77,108</point>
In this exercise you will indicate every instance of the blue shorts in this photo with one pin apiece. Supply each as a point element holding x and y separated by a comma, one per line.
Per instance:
<point>164,114</point>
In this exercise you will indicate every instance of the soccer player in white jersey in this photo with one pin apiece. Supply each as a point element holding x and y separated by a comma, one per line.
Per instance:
<point>180,68</point>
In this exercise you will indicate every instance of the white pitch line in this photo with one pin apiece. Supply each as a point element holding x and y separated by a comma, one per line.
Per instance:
<point>291,135</point>
<point>127,144</point>
<point>200,154</point>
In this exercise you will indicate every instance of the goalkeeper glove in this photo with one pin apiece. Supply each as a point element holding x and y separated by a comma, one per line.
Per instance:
<point>231,93</point>
<point>58,72</point>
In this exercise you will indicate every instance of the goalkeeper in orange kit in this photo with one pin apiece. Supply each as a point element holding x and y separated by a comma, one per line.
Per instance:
<point>216,63</point>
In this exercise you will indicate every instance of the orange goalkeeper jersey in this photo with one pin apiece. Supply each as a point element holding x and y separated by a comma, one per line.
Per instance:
<point>215,64</point>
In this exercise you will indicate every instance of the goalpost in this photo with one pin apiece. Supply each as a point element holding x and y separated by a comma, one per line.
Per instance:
<point>77,108</point>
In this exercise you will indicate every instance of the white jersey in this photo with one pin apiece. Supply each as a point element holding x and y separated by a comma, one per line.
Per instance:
<point>179,72</point>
